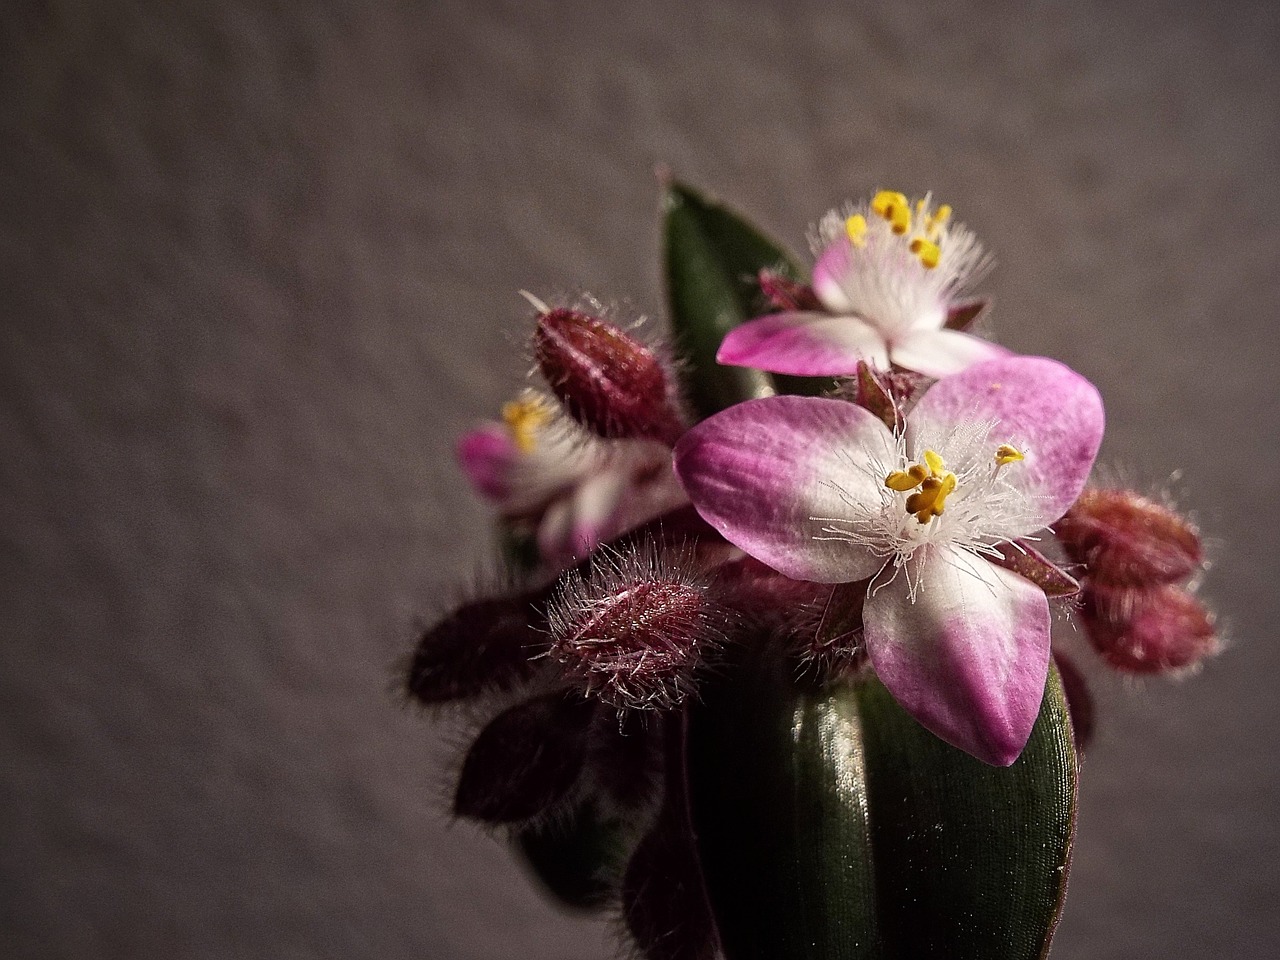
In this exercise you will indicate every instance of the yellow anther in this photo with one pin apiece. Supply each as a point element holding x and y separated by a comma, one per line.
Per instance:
<point>885,199</point>
<point>856,228</point>
<point>1006,453</point>
<point>523,418</point>
<point>938,220</point>
<point>895,208</point>
<point>933,478</point>
<point>901,481</point>
<point>927,251</point>
<point>932,498</point>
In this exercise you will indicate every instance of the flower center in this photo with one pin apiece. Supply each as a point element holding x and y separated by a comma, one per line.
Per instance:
<point>524,417</point>
<point>933,482</point>
<point>896,210</point>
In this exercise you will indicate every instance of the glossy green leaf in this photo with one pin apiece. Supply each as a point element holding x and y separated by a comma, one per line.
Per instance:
<point>831,826</point>
<point>578,856</point>
<point>712,258</point>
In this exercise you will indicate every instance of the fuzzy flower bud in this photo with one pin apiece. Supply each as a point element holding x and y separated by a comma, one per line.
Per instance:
<point>484,645</point>
<point>525,761</point>
<point>1154,630</point>
<point>1126,539</point>
<point>607,380</point>
<point>634,627</point>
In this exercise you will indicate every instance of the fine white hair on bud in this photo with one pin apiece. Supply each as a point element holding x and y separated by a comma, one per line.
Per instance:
<point>633,627</point>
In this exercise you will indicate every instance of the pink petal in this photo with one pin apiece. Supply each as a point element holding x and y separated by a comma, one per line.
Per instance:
<point>969,657</point>
<point>1050,412</point>
<point>578,522</point>
<point>937,353</point>
<point>834,264</point>
<point>765,472</point>
<point>805,344</point>
<point>487,455</point>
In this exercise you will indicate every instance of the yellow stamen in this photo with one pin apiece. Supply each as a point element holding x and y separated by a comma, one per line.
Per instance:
<point>523,418</point>
<point>933,478</point>
<point>1005,453</point>
<point>937,221</point>
<point>895,208</point>
<point>927,251</point>
<point>904,480</point>
<point>856,228</point>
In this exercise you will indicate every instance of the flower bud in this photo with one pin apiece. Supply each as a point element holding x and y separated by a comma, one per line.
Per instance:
<point>483,645</point>
<point>632,628</point>
<point>1126,539</point>
<point>525,761</point>
<point>607,380</point>
<point>1153,630</point>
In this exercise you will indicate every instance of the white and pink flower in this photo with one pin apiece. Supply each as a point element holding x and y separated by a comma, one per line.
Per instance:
<point>821,490</point>
<point>578,489</point>
<point>890,275</point>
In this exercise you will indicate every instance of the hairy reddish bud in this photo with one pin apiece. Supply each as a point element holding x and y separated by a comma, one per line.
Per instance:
<point>607,380</point>
<point>1153,630</point>
<point>633,628</point>
<point>525,760</point>
<point>1126,539</point>
<point>482,646</point>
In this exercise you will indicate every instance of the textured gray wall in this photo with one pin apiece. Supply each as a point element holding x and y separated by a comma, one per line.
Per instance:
<point>257,269</point>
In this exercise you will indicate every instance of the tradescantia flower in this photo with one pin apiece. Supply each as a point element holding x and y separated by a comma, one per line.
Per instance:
<point>890,277</point>
<point>822,490</point>
<point>579,489</point>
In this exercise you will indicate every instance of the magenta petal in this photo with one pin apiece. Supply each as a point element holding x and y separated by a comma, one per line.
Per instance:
<point>938,353</point>
<point>805,344</point>
<point>771,475</point>
<point>969,656</point>
<point>487,455</point>
<point>1050,412</point>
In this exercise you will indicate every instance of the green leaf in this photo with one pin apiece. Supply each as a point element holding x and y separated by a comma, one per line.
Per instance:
<point>578,857</point>
<point>832,826</point>
<point>712,258</point>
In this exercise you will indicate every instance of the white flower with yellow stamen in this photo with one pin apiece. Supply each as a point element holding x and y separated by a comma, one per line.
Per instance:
<point>889,274</point>
<point>579,489</point>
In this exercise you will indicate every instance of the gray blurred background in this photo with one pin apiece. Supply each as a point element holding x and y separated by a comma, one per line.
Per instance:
<point>258,268</point>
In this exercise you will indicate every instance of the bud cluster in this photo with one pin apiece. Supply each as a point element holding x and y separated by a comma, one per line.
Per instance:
<point>1136,605</point>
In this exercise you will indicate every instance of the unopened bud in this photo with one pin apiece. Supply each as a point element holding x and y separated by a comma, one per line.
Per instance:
<point>525,760</point>
<point>1126,539</point>
<point>633,628</point>
<point>607,380</point>
<point>1151,630</point>
<point>484,645</point>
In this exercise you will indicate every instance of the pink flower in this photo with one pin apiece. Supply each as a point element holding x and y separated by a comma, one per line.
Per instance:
<point>889,274</point>
<point>821,490</point>
<point>579,490</point>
